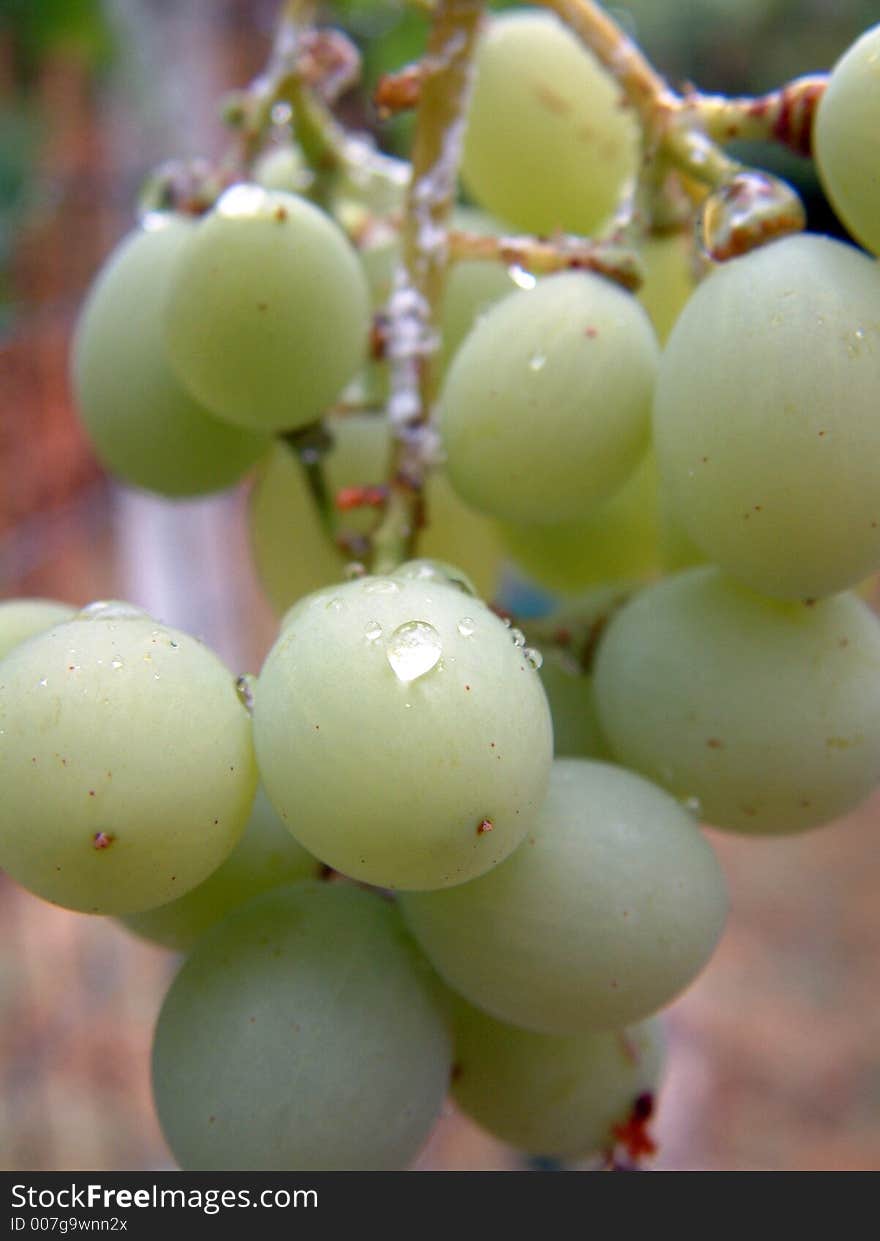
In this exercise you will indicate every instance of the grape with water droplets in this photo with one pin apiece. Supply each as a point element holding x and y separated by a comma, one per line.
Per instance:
<point>401,734</point>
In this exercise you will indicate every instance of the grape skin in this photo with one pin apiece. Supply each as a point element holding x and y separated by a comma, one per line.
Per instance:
<point>619,541</point>
<point>767,712</point>
<point>303,1033</point>
<point>610,907</point>
<point>268,312</point>
<point>403,783</point>
<point>266,857</point>
<point>126,762</point>
<point>22,618</point>
<point>144,426</point>
<point>552,1095</point>
<point>765,418</point>
<point>548,146</point>
<point>545,410</point>
<point>845,138</point>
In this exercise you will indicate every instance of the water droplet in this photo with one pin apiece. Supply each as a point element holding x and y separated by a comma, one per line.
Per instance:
<point>524,279</point>
<point>466,627</point>
<point>44,682</point>
<point>355,570</point>
<point>518,637</point>
<point>373,631</point>
<point>381,586</point>
<point>244,688</point>
<point>533,657</point>
<point>506,621</point>
<point>115,663</point>
<point>281,113</point>
<point>693,806</point>
<point>413,649</point>
<point>243,201</point>
<point>110,609</point>
<point>334,605</point>
<point>537,361</point>
<point>426,570</point>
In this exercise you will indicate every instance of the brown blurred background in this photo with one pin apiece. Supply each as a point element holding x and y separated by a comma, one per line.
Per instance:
<point>775,1053</point>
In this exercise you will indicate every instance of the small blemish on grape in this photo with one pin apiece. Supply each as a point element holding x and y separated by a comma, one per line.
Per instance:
<point>102,840</point>
<point>484,826</point>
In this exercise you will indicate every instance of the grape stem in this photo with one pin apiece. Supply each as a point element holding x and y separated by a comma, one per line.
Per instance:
<point>412,312</point>
<point>541,256</point>
<point>688,130</point>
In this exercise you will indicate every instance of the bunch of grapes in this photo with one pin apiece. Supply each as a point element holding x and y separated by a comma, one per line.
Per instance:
<point>411,857</point>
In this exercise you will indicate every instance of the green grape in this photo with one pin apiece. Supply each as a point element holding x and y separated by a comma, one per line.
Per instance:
<point>551,1095</point>
<point>294,555</point>
<point>304,1033</point>
<point>548,145</point>
<point>576,731</point>
<point>766,712</point>
<point>126,762</point>
<point>283,167</point>
<point>610,908</point>
<point>22,618</point>
<point>424,569</point>
<point>472,285</point>
<point>458,535</point>
<point>143,424</point>
<point>268,311</point>
<point>619,541</point>
<point>545,410</point>
<point>846,138</point>
<point>765,418</point>
<point>266,857</point>
<point>401,732</point>
<point>669,279</point>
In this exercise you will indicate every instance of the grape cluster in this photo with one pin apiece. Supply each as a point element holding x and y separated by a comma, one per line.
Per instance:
<point>408,858</point>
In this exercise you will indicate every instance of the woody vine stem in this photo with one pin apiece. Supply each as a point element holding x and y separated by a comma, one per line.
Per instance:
<point>685,178</point>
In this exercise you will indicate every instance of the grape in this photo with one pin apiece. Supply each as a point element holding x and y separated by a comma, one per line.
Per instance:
<point>126,763</point>
<point>765,419</point>
<point>143,424</point>
<point>551,1095</point>
<point>292,552</point>
<point>22,618</point>
<point>548,144</point>
<point>266,857</point>
<point>456,533</point>
<point>569,691</point>
<point>546,406</point>
<point>766,712</point>
<point>669,279</point>
<point>401,733</point>
<point>472,285</point>
<point>283,167</point>
<point>619,541</point>
<point>268,310</point>
<point>846,142</point>
<point>610,908</point>
<point>294,555</point>
<point>304,1033</point>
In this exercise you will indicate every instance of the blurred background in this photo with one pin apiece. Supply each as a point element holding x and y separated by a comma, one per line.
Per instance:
<point>775,1053</point>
